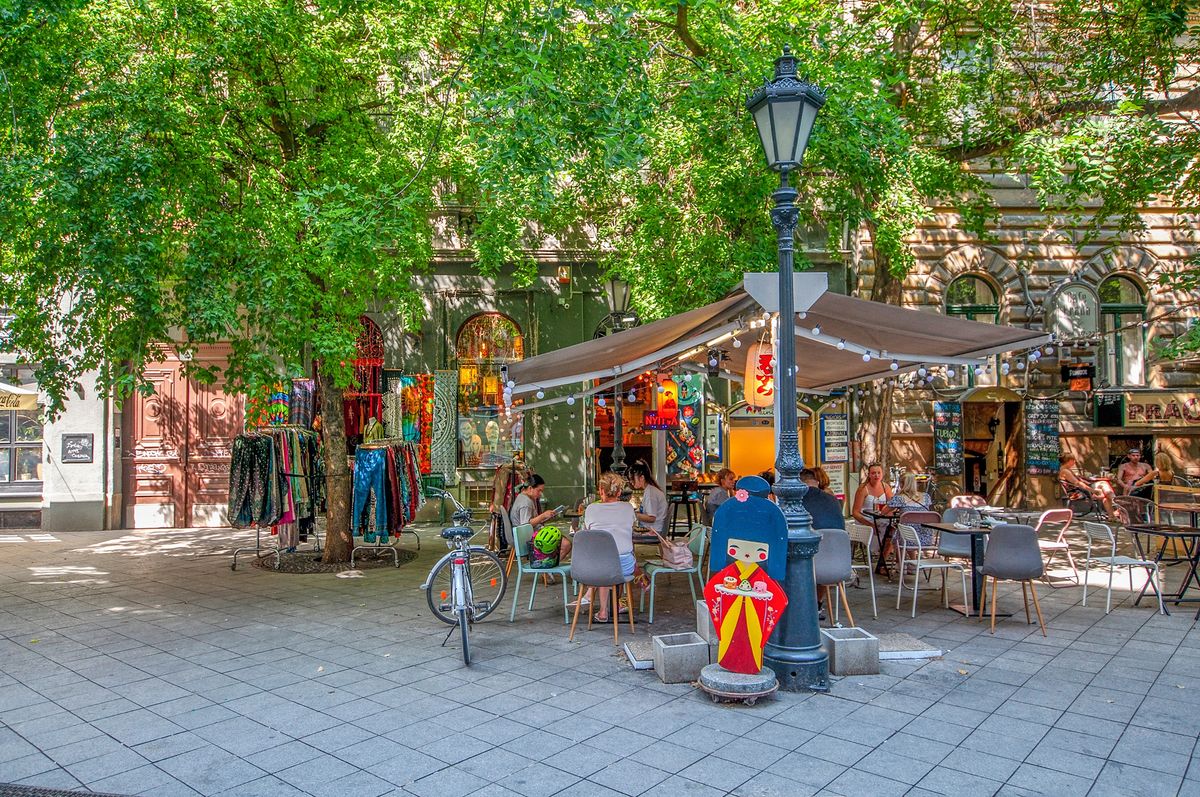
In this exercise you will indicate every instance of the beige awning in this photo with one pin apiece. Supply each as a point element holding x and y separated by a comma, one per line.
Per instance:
<point>883,332</point>
<point>17,398</point>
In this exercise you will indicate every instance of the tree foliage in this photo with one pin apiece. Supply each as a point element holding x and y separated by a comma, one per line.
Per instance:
<point>263,171</point>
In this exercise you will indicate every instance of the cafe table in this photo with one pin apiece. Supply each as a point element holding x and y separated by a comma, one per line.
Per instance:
<point>977,535</point>
<point>1192,509</point>
<point>1188,537</point>
<point>883,536</point>
<point>1025,516</point>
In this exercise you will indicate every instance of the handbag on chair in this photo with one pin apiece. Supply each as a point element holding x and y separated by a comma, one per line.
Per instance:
<point>675,555</point>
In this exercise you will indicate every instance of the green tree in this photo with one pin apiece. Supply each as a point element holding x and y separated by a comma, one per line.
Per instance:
<point>199,172</point>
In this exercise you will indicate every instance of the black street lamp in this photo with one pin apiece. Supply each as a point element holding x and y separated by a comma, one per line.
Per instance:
<point>784,110</point>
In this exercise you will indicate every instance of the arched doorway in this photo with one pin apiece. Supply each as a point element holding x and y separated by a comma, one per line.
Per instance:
<point>488,434</point>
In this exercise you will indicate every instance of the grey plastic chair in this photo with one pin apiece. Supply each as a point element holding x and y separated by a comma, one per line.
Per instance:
<point>596,563</point>
<point>834,567</point>
<point>1013,555</point>
<point>956,544</point>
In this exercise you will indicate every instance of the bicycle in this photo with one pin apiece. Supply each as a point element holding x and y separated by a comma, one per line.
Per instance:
<point>468,583</point>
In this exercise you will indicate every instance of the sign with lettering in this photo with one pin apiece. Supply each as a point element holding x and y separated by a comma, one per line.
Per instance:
<point>78,447</point>
<point>1041,437</point>
<point>1109,409</point>
<point>1073,311</point>
<point>947,438</point>
<point>1078,376</point>
<point>1166,408</point>
<point>835,437</point>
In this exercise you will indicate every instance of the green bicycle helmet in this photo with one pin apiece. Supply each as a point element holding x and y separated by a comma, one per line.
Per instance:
<point>547,539</point>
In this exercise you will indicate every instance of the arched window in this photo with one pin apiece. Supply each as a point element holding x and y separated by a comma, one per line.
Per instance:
<point>1122,311</point>
<point>488,436</point>
<point>975,298</point>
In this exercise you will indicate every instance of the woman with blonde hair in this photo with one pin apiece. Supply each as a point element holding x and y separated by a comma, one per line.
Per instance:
<point>612,515</point>
<point>910,499</point>
<point>1163,473</point>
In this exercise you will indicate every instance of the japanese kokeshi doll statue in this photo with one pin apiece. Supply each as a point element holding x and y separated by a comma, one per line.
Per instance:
<point>745,596</point>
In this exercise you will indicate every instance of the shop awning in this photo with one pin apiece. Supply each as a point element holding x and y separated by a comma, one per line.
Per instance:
<point>832,338</point>
<point>17,398</point>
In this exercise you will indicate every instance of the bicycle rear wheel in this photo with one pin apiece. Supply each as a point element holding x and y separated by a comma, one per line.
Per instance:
<point>462,628</point>
<point>487,586</point>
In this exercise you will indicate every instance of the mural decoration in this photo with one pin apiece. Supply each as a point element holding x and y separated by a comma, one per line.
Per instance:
<point>685,444</point>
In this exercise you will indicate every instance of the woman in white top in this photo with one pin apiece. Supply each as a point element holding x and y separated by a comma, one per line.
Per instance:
<point>616,517</point>
<point>653,512</point>
<point>872,495</point>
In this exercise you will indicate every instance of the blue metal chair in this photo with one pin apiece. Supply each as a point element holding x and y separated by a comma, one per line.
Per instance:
<point>521,536</point>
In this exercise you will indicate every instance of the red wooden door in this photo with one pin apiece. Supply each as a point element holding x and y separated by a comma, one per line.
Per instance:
<point>176,447</point>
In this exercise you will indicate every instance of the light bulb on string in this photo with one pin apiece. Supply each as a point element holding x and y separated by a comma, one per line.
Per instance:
<point>921,371</point>
<point>712,362</point>
<point>632,397</point>
<point>541,394</point>
<point>737,344</point>
<point>1005,368</point>
<point>816,330</point>
<point>841,344</point>
<point>1049,349</point>
<point>570,401</point>
<point>979,370</point>
<point>803,315</point>
<point>1020,365</point>
<point>894,366</point>
<point>602,401</point>
<point>949,373</point>
<point>866,356</point>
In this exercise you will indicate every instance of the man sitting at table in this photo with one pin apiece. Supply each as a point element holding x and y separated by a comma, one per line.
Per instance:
<point>825,510</point>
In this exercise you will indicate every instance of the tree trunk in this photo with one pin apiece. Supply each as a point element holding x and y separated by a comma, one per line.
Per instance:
<point>338,541</point>
<point>875,410</point>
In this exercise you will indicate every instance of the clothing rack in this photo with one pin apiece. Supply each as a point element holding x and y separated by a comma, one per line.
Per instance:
<point>391,491</point>
<point>303,451</point>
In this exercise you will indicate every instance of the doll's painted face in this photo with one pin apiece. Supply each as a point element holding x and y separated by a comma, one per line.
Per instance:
<point>748,551</point>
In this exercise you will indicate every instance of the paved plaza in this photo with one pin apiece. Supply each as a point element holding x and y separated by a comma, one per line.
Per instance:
<point>138,663</point>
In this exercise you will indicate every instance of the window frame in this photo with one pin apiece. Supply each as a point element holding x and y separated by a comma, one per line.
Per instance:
<point>1112,352</point>
<point>12,486</point>
<point>969,312</point>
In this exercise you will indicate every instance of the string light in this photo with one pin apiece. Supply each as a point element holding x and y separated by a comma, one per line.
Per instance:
<point>816,330</point>
<point>541,394</point>
<point>632,397</point>
<point>921,371</point>
<point>866,356</point>
<point>894,366</point>
<point>841,344</point>
<point>737,344</point>
<point>570,401</point>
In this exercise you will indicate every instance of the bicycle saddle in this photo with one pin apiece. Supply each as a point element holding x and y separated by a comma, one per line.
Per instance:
<point>457,533</point>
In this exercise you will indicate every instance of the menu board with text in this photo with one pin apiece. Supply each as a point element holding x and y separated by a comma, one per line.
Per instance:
<point>947,438</point>
<point>1041,437</point>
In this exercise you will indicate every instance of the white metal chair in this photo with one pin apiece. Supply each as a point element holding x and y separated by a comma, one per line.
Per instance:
<point>1056,522</point>
<point>1102,534</point>
<point>653,568</point>
<point>864,536</point>
<point>919,557</point>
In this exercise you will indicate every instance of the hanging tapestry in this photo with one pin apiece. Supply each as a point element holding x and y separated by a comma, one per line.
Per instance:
<point>416,416</point>
<point>443,452</point>
<point>268,407</point>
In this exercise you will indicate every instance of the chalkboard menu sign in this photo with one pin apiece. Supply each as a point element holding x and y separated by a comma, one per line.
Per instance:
<point>947,438</point>
<point>1041,437</point>
<point>1110,409</point>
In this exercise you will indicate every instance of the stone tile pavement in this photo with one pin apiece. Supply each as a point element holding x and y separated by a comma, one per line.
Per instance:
<point>138,663</point>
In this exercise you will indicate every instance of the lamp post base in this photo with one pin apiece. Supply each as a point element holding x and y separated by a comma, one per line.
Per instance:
<point>801,670</point>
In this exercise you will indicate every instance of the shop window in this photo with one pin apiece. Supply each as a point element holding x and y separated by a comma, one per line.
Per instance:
<point>488,435</point>
<point>976,299</point>
<point>20,438</point>
<point>1122,312</point>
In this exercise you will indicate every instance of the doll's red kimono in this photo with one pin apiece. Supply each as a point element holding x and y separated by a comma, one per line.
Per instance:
<point>745,604</point>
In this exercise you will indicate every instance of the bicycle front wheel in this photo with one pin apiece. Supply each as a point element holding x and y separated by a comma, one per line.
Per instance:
<point>486,586</point>
<point>462,628</point>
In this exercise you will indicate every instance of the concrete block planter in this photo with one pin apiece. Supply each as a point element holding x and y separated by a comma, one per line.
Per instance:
<point>704,623</point>
<point>679,658</point>
<point>852,651</point>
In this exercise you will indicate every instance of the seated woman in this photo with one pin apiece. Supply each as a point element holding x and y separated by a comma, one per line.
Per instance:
<point>1069,478</point>
<point>652,513</point>
<point>525,509</point>
<point>726,479</point>
<point>616,517</point>
<point>1163,473</point>
<point>910,499</point>
<point>871,495</point>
